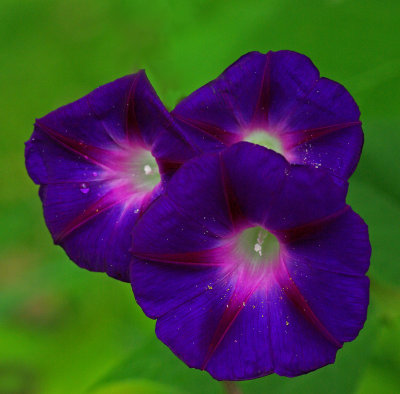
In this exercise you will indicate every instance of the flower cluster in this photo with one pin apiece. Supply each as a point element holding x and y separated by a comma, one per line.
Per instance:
<point>227,215</point>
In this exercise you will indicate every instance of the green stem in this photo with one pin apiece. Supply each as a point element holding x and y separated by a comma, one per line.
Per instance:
<point>231,387</point>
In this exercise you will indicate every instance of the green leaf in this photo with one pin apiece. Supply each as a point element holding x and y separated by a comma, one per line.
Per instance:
<point>379,166</point>
<point>382,374</point>
<point>136,386</point>
<point>382,215</point>
<point>57,51</point>
<point>154,362</point>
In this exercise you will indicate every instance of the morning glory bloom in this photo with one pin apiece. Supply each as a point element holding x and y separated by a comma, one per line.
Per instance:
<point>252,265</point>
<point>277,100</point>
<point>248,257</point>
<point>99,162</point>
<point>102,159</point>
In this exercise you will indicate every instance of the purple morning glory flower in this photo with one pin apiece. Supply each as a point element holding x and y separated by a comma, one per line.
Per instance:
<point>252,265</point>
<point>277,100</point>
<point>99,162</point>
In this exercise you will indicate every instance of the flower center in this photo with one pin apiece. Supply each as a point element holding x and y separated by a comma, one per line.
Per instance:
<point>258,246</point>
<point>135,171</point>
<point>143,170</point>
<point>265,139</point>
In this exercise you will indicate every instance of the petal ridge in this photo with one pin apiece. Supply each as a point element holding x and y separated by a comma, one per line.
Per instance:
<point>87,215</point>
<point>321,131</point>
<point>261,109</point>
<point>235,212</point>
<point>131,124</point>
<point>295,233</point>
<point>210,129</point>
<point>293,293</point>
<point>88,152</point>
<point>228,318</point>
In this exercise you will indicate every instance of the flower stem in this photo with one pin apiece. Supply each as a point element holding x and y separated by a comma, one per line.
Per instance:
<point>231,387</point>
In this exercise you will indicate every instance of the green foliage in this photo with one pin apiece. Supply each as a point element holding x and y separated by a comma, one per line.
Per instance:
<point>136,386</point>
<point>152,362</point>
<point>64,330</point>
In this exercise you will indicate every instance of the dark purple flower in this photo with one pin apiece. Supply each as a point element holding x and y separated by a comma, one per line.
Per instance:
<point>252,265</point>
<point>100,161</point>
<point>280,101</point>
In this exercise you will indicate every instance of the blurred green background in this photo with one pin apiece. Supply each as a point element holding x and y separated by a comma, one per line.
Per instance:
<point>65,330</point>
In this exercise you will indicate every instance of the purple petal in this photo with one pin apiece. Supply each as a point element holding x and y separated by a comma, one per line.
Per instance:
<point>281,93</point>
<point>219,311</point>
<point>329,269</point>
<point>270,335</point>
<point>270,191</point>
<point>234,331</point>
<point>92,159</point>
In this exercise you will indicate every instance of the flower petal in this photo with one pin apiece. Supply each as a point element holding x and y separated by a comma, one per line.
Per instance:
<point>89,159</point>
<point>329,269</point>
<point>192,214</point>
<point>238,320</point>
<point>270,335</point>
<point>218,323</point>
<point>281,93</point>
<point>272,192</point>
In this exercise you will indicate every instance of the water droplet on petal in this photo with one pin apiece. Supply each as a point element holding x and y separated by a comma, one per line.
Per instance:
<point>84,188</point>
<point>94,173</point>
